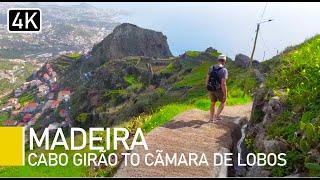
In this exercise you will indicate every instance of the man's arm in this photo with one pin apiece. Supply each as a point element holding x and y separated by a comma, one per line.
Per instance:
<point>224,89</point>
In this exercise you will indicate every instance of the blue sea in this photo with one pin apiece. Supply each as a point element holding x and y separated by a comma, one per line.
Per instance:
<point>227,27</point>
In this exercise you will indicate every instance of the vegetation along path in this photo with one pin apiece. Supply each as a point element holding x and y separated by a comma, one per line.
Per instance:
<point>190,132</point>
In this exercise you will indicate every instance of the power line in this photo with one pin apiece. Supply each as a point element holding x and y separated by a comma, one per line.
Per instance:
<point>266,48</point>
<point>256,37</point>
<point>264,10</point>
<point>264,43</point>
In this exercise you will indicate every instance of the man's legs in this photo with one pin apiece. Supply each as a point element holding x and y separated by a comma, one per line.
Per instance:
<point>212,110</point>
<point>220,109</point>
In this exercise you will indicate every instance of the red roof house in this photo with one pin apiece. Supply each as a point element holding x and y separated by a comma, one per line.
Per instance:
<point>46,76</point>
<point>64,95</point>
<point>13,101</point>
<point>55,104</point>
<point>63,113</point>
<point>30,107</point>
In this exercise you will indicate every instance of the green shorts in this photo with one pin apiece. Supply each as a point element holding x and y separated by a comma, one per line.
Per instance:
<point>216,95</point>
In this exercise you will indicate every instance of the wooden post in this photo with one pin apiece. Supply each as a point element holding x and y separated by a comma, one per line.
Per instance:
<point>254,46</point>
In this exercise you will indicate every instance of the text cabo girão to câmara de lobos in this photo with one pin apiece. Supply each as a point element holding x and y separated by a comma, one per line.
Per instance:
<point>98,146</point>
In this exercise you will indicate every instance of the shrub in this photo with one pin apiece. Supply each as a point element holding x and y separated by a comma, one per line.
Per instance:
<point>83,117</point>
<point>193,54</point>
<point>74,56</point>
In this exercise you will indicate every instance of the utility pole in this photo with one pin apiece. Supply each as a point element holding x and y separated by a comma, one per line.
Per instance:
<point>255,41</point>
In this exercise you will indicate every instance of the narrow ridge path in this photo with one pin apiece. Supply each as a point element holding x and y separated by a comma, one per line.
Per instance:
<point>189,132</point>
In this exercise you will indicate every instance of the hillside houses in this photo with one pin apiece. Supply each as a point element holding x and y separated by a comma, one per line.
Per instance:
<point>10,123</point>
<point>8,108</point>
<point>17,92</point>
<point>64,95</point>
<point>43,89</point>
<point>42,96</point>
<point>31,107</point>
<point>47,105</point>
<point>13,101</point>
<point>63,113</point>
<point>17,106</point>
<point>32,122</point>
<point>50,95</point>
<point>35,83</point>
<point>34,119</point>
<point>54,126</point>
<point>54,87</point>
<point>55,104</point>
<point>27,117</point>
<point>15,113</point>
<point>24,87</point>
<point>46,77</point>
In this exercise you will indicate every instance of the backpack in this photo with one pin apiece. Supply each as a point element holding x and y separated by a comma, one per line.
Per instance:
<point>214,80</point>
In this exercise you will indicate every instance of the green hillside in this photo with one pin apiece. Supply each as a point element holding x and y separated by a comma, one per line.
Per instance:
<point>295,79</point>
<point>21,71</point>
<point>126,99</point>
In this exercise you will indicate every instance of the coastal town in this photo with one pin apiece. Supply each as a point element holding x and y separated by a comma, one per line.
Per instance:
<point>65,29</point>
<point>35,98</point>
<point>29,90</point>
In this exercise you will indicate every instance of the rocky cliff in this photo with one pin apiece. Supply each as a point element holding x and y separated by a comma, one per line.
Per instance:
<point>131,40</point>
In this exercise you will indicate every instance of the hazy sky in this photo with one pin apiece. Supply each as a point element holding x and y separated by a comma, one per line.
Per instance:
<point>228,27</point>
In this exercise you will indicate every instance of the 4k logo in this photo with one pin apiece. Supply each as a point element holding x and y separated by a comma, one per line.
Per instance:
<point>24,20</point>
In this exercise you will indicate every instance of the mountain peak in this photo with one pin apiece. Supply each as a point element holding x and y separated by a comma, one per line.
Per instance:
<point>130,40</point>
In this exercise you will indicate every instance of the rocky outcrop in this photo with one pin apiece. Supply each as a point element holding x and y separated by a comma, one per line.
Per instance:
<point>211,50</point>
<point>259,76</point>
<point>243,61</point>
<point>272,109</point>
<point>131,40</point>
<point>258,103</point>
<point>265,110</point>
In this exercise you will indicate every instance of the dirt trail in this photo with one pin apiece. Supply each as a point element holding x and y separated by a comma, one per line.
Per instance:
<point>187,133</point>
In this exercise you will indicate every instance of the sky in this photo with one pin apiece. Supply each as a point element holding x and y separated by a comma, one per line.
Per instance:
<point>227,27</point>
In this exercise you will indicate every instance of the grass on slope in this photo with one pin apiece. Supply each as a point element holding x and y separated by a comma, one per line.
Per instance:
<point>296,82</point>
<point>133,82</point>
<point>193,54</point>
<point>4,116</point>
<point>197,95</point>
<point>164,115</point>
<point>74,56</point>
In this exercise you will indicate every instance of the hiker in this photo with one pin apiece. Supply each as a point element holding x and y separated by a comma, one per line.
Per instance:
<point>216,83</point>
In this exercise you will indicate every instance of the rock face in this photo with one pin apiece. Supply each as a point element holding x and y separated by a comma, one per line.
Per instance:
<point>131,40</point>
<point>243,61</point>
<point>259,76</point>
<point>272,109</point>
<point>265,110</point>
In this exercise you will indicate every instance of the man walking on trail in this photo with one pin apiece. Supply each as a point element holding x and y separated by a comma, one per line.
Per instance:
<point>216,83</point>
